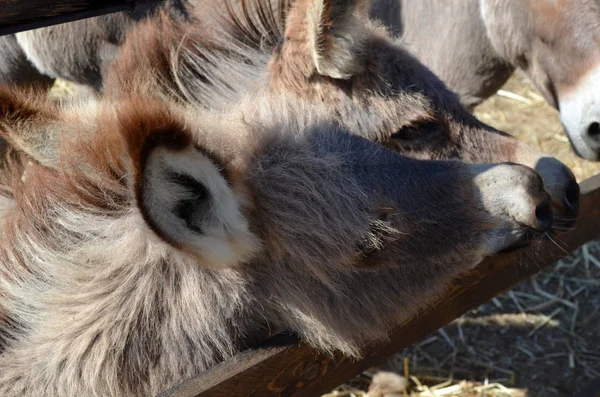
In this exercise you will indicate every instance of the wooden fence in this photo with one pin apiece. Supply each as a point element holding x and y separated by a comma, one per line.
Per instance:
<point>283,366</point>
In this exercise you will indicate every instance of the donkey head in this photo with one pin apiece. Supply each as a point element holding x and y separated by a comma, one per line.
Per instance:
<point>332,54</point>
<point>557,44</point>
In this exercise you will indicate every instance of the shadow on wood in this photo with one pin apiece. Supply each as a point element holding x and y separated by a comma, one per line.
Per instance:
<point>592,390</point>
<point>284,367</point>
<point>19,15</point>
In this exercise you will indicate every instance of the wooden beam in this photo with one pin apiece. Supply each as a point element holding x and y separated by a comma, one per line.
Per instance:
<point>284,367</point>
<point>19,15</point>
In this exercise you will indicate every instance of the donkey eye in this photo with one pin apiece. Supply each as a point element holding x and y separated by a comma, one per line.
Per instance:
<point>419,131</point>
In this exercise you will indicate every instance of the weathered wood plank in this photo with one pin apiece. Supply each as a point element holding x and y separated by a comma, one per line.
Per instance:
<point>284,367</point>
<point>19,15</point>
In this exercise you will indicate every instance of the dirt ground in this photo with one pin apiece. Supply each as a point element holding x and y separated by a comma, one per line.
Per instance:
<point>542,338</point>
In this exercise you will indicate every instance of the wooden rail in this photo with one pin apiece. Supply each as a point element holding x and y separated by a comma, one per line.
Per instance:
<point>19,15</point>
<point>284,367</point>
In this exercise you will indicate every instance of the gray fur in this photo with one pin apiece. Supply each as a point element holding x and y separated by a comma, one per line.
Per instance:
<point>15,69</point>
<point>464,59</point>
<point>78,51</point>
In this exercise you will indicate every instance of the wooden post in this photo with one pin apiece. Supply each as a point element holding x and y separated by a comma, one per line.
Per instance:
<point>284,367</point>
<point>19,15</point>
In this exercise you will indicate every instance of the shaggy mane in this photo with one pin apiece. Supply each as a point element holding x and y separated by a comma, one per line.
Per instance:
<point>242,35</point>
<point>259,23</point>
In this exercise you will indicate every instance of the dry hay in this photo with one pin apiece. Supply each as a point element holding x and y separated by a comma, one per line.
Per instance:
<point>541,338</point>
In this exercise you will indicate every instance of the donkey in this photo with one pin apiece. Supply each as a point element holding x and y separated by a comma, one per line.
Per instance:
<point>467,139</point>
<point>15,68</point>
<point>144,241</point>
<point>327,53</point>
<point>477,44</point>
<point>78,51</point>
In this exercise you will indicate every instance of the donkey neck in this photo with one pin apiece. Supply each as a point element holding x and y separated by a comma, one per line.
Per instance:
<point>452,43</point>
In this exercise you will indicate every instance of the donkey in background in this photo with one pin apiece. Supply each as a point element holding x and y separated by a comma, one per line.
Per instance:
<point>144,241</point>
<point>475,45</point>
<point>78,51</point>
<point>329,54</point>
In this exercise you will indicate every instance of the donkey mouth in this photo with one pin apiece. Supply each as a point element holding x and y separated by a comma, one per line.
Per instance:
<point>515,247</point>
<point>529,235</point>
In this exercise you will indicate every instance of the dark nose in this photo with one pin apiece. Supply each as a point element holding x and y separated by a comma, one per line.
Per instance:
<point>544,216</point>
<point>593,132</point>
<point>561,185</point>
<point>572,197</point>
<point>591,137</point>
<point>566,216</point>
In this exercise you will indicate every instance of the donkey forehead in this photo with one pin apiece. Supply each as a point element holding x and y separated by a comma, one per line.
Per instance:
<point>569,31</point>
<point>390,72</point>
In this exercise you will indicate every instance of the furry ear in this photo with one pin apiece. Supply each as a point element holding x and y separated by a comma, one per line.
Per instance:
<point>337,36</point>
<point>182,190</point>
<point>29,124</point>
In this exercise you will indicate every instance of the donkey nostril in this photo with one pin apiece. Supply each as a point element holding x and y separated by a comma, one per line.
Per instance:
<point>543,214</point>
<point>594,130</point>
<point>572,196</point>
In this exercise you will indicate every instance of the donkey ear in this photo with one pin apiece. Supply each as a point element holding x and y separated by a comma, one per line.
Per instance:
<point>337,36</point>
<point>29,124</point>
<point>183,192</point>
